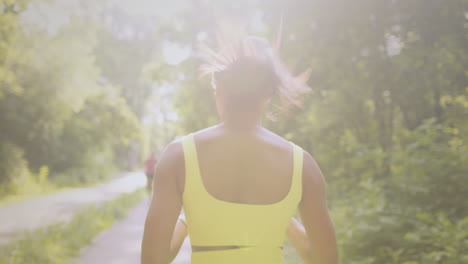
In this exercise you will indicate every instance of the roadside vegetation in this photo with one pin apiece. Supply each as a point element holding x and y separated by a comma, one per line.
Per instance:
<point>63,123</point>
<point>62,242</point>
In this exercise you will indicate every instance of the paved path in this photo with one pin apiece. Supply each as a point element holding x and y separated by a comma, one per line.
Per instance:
<point>122,242</point>
<point>61,206</point>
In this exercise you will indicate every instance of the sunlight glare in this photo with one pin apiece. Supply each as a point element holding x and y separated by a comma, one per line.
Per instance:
<point>174,53</point>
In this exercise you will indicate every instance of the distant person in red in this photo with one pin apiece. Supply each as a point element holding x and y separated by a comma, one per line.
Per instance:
<point>150,165</point>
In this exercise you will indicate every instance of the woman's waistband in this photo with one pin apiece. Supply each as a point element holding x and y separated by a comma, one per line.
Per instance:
<point>245,255</point>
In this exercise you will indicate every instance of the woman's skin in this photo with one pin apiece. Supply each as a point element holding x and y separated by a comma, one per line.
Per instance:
<point>298,238</point>
<point>180,232</point>
<point>315,243</point>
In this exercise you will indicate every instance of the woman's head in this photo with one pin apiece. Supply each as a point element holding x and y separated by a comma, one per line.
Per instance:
<point>246,73</point>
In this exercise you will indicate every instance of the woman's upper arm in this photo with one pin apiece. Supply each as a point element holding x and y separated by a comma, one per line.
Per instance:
<point>314,214</point>
<point>166,203</point>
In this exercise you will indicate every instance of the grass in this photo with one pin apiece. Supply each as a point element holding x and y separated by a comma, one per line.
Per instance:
<point>61,242</point>
<point>35,185</point>
<point>28,187</point>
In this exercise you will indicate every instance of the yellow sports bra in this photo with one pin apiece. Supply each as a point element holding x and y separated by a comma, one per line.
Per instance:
<point>259,230</point>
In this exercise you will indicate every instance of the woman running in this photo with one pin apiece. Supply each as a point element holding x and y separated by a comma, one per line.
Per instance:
<point>239,183</point>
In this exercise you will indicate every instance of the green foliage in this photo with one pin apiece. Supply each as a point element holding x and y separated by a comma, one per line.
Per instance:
<point>23,184</point>
<point>194,101</point>
<point>436,239</point>
<point>55,108</point>
<point>432,162</point>
<point>13,168</point>
<point>61,242</point>
<point>370,233</point>
<point>104,122</point>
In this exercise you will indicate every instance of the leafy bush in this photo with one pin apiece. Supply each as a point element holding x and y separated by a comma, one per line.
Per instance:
<point>428,171</point>
<point>16,179</point>
<point>417,214</point>
<point>13,168</point>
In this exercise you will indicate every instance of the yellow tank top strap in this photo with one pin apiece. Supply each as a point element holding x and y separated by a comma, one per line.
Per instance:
<point>192,177</point>
<point>296,186</point>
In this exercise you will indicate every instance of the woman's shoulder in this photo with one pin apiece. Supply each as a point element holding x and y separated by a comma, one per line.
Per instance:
<point>173,152</point>
<point>211,131</point>
<point>179,139</point>
<point>277,140</point>
<point>174,148</point>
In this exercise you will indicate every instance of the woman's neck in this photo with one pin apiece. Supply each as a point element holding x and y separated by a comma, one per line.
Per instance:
<point>241,124</point>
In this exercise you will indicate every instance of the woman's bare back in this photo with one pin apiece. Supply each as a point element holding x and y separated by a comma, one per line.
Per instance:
<point>250,168</point>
